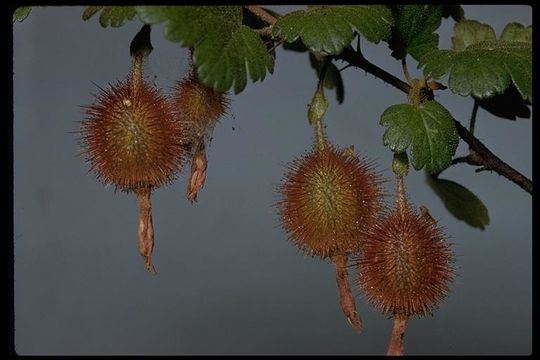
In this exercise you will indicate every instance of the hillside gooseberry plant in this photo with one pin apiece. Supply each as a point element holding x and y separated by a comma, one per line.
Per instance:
<point>331,205</point>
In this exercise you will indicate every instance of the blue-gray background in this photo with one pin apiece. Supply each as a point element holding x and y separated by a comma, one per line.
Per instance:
<point>229,282</point>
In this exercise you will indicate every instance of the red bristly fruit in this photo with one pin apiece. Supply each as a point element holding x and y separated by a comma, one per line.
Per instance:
<point>329,200</point>
<point>132,138</point>
<point>198,105</point>
<point>405,265</point>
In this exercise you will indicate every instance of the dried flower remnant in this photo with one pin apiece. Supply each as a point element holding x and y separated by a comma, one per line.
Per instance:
<point>198,172</point>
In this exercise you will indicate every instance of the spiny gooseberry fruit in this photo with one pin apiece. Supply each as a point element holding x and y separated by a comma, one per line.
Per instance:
<point>405,265</point>
<point>132,138</point>
<point>330,198</point>
<point>199,106</point>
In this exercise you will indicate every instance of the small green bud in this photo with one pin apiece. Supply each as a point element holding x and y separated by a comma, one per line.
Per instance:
<point>318,107</point>
<point>400,164</point>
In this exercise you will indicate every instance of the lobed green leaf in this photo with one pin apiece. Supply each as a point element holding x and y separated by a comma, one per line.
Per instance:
<point>427,129</point>
<point>481,66</point>
<point>226,52</point>
<point>414,30</point>
<point>331,28</point>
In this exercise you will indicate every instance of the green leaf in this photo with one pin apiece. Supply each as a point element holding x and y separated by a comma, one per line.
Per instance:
<point>413,32</point>
<point>460,202</point>
<point>331,28</point>
<point>470,32</point>
<point>332,79</point>
<point>223,62</point>
<point>226,52</point>
<point>517,32</point>
<point>21,13</point>
<point>114,16</point>
<point>427,128</point>
<point>296,45</point>
<point>189,25</point>
<point>481,66</point>
<point>400,164</point>
<point>90,11</point>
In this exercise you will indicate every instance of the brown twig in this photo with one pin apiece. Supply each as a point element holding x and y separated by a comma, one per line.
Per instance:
<point>261,13</point>
<point>490,161</point>
<point>357,59</point>
<point>469,159</point>
<point>267,31</point>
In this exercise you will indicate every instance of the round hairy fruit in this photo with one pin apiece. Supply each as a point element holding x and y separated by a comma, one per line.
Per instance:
<point>329,199</point>
<point>405,264</point>
<point>198,105</point>
<point>132,138</point>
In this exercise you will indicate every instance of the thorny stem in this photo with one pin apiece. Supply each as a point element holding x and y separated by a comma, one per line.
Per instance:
<point>357,59</point>
<point>470,159</point>
<point>490,161</point>
<point>346,298</point>
<point>261,13</point>
<point>395,347</point>
<point>146,228</point>
<point>266,31</point>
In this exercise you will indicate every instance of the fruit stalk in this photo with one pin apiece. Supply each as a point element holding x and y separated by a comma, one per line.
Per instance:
<point>346,298</point>
<point>137,73</point>
<point>395,347</point>
<point>401,195</point>
<point>322,142</point>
